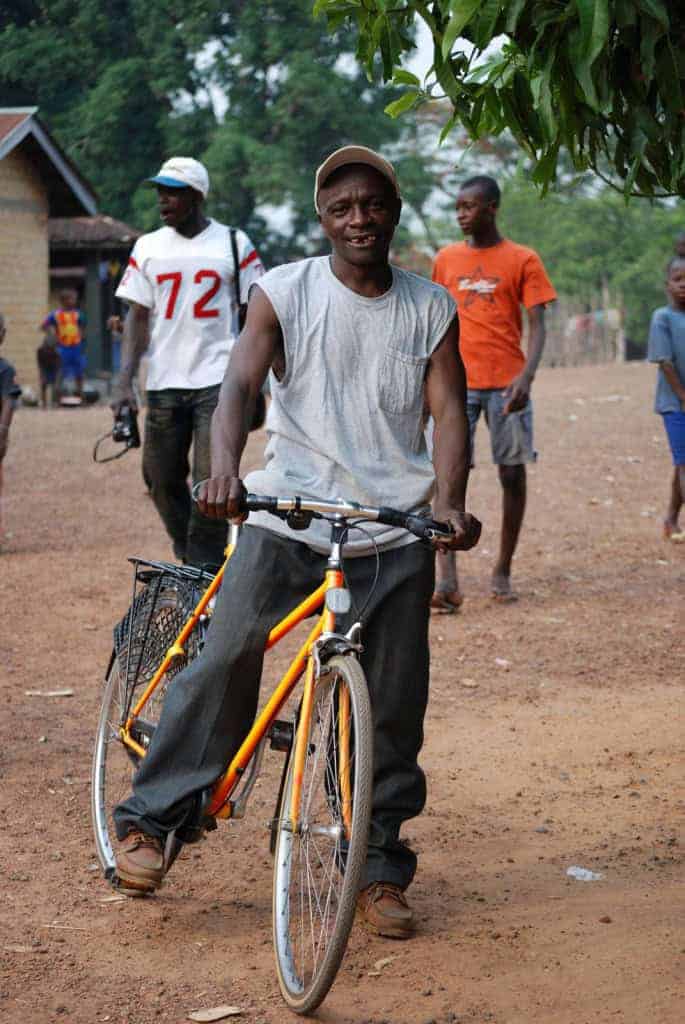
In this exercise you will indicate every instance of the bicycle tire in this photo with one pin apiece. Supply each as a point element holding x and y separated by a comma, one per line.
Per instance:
<point>307,970</point>
<point>158,615</point>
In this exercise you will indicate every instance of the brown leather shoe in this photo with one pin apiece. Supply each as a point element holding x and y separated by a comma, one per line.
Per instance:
<point>383,910</point>
<point>140,864</point>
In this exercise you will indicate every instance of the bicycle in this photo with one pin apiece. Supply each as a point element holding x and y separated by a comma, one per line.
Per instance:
<point>319,831</point>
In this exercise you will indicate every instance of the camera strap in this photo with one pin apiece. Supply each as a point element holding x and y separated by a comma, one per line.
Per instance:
<point>236,277</point>
<point>108,458</point>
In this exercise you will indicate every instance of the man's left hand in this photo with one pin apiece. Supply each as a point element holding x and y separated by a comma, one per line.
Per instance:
<point>466,530</point>
<point>517,394</point>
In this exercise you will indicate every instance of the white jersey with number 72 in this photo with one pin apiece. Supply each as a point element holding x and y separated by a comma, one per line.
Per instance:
<point>188,284</point>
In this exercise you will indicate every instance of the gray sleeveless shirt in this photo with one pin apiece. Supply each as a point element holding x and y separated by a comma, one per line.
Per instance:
<point>345,420</point>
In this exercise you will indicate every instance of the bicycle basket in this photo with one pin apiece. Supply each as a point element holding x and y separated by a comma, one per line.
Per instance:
<point>165,600</point>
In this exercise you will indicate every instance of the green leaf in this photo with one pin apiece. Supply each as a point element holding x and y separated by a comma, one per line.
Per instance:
<point>402,77</point>
<point>650,33</point>
<point>329,7</point>
<point>544,171</point>
<point>657,9</point>
<point>632,174</point>
<point>462,12</point>
<point>448,127</point>
<point>485,22</point>
<point>668,80</point>
<point>476,116</point>
<point>545,109</point>
<point>582,68</point>
<point>405,102</point>
<point>513,14</point>
<point>594,27</point>
<point>487,71</point>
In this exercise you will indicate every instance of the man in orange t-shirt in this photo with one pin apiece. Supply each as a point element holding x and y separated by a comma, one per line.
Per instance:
<point>491,278</point>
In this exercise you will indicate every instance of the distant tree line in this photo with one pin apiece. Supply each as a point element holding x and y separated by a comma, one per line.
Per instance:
<point>124,83</point>
<point>261,92</point>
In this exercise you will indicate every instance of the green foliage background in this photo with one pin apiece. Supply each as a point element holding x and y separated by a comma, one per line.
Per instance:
<point>602,79</point>
<point>123,84</point>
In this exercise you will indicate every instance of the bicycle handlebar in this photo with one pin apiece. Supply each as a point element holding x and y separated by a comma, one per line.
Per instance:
<point>424,528</point>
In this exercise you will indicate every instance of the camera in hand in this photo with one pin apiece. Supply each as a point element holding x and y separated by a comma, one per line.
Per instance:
<point>124,432</point>
<point>125,429</point>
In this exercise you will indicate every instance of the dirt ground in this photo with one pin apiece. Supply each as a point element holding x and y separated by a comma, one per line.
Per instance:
<point>553,739</point>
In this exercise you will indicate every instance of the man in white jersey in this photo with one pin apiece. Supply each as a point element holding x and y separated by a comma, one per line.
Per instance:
<point>353,344</point>
<point>180,287</point>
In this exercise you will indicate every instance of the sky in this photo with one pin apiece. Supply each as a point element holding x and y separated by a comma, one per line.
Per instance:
<point>422,58</point>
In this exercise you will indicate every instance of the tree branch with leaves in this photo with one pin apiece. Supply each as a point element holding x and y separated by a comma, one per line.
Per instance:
<point>604,79</point>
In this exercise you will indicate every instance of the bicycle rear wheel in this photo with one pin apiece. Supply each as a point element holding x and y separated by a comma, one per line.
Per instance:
<point>318,863</point>
<point>153,621</point>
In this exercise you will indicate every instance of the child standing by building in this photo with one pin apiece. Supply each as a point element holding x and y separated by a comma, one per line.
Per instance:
<point>49,364</point>
<point>68,324</point>
<point>667,348</point>
<point>9,392</point>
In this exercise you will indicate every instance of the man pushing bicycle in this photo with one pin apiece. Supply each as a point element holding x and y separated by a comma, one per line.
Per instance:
<point>353,344</point>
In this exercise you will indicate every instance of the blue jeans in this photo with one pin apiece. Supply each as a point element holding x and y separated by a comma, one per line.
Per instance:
<point>176,419</point>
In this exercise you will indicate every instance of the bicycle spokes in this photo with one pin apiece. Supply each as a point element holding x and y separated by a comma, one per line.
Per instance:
<point>314,891</point>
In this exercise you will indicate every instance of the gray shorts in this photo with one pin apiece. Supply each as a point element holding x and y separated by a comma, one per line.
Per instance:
<point>511,436</point>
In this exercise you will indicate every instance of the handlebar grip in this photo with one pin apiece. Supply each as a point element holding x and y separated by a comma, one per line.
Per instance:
<point>391,517</point>
<point>261,503</point>
<point>428,529</point>
<point>252,502</point>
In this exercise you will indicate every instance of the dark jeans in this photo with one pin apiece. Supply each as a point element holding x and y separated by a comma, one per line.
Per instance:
<point>210,706</point>
<point>177,418</point>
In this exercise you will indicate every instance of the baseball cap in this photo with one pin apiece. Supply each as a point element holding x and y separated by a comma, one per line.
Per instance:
<point>353,155</point>
<point>182,172</point>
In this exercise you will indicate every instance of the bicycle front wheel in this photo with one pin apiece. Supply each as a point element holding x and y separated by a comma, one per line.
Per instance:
<point>141,640</point>
<point>319,858</point>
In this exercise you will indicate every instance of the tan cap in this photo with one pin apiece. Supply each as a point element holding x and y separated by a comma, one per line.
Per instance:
<point>354,155</point>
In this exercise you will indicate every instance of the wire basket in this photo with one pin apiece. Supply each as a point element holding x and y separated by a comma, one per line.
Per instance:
<point>164,596</point>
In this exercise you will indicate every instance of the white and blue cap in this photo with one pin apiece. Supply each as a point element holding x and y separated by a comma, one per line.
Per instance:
<point>182,172</point>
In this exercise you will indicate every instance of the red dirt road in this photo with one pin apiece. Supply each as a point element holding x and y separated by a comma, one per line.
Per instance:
<point>553,739</point>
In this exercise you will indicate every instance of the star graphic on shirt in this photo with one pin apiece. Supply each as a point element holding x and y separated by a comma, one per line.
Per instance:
<point>478,286</point>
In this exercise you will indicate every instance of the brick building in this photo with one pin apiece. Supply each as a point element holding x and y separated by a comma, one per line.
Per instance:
<point>51,235</point>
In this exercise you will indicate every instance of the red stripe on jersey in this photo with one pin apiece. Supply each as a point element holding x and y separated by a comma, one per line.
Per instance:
<point>132,263</point>
<point>249,259</point>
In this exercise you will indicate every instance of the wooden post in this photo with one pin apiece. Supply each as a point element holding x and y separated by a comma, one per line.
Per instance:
<point>93,302</point>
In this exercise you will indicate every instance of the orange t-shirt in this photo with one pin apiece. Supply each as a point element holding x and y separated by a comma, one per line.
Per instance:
<point>490,285</point>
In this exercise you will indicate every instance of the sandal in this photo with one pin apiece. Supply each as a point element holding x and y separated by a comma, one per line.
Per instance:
<point>445,602</point>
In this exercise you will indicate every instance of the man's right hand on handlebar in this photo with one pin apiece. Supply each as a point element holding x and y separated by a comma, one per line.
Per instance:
<point>222,497</point>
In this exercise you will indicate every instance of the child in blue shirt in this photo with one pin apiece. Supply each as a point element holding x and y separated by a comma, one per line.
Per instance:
<point>667,348</point>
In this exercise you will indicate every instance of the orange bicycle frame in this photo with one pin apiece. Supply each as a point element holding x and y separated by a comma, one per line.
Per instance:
<point>220,805</point>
